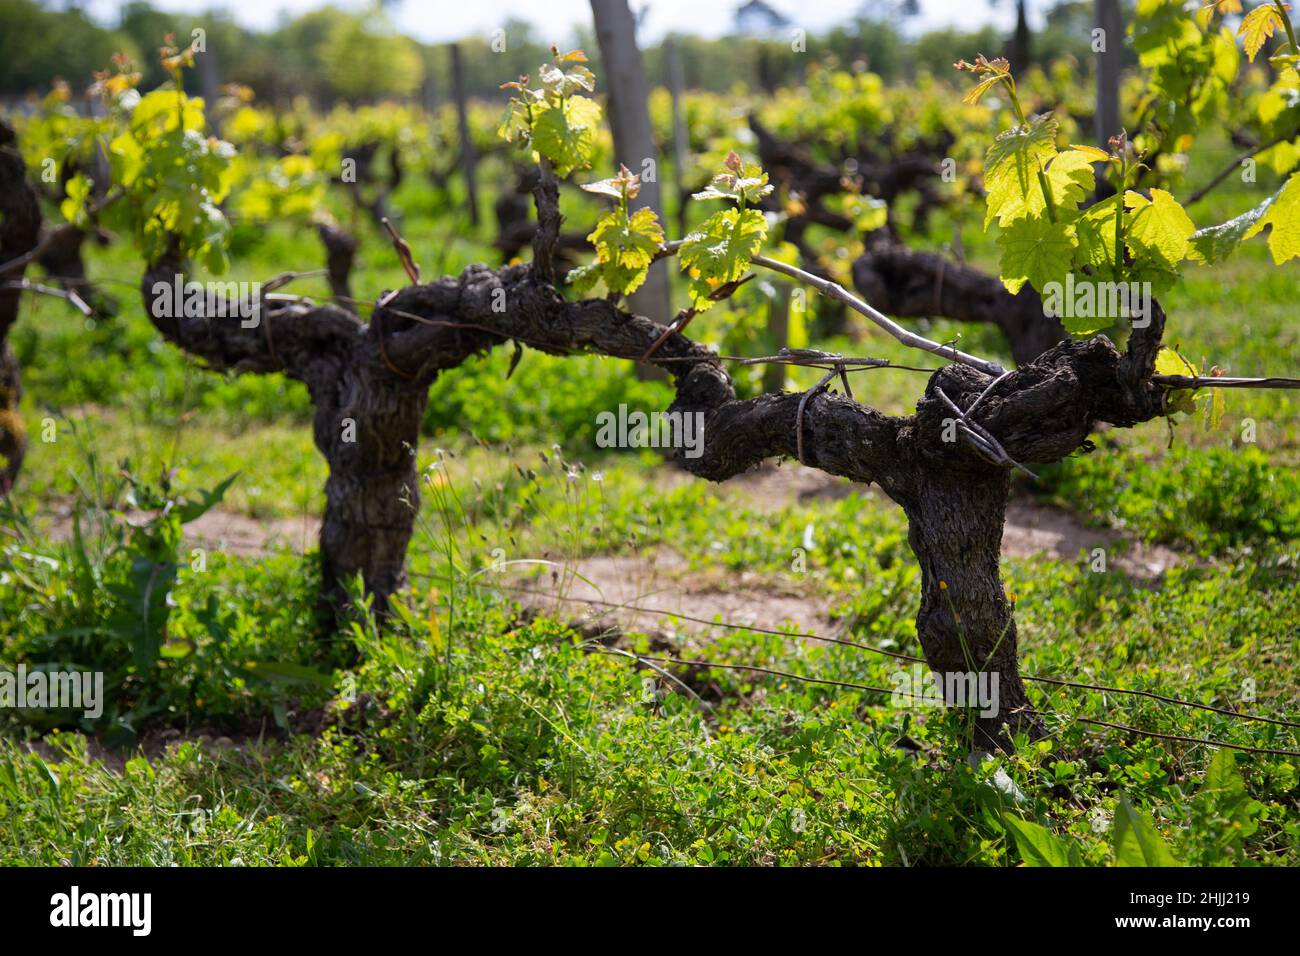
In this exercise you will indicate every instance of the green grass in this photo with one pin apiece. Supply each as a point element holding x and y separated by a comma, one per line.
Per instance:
<point>533,750</point>
<point>473,735</point>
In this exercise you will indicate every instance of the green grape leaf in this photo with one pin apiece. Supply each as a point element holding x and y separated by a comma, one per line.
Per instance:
<point>1036,251</point>
<point>1226,60</point>
<point>1284,156</point>
<point>604,187</point>
<point>1284,216</point>
<point>1257,27</point>
<point>173,178</point>
<point>743,182</point>
<point>625,247</point>
<point>73,206</point>
<point>290,188</point>
<point>561,82</point>
<point>1093,154</point>
<point>1215,243</point>
<point>720,251</point>
<point>1071,178</point>
<point>163,111</point>
<point>1096,231</point>
<point>126,158</point>
<point>1011,169</point>
<point>515,123</point>
<point>1160,229</point>
<point>565,133</point>
<point>1170,362</point>
<point>584,278</point>
<point>626,185</point>
<point>976,93</point>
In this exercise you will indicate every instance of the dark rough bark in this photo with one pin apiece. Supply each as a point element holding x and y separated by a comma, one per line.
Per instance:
<point>366,422</point>
<point>965,622</point>
<point>13,434</point>
<point>20,227</point>
<point>904,282</point>
<point>955,501</point>
<point>546,196</point>
<point>367,425</point>
<point>340,251</point>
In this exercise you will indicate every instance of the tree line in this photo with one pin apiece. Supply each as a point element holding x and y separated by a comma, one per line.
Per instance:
<point>328,54</point>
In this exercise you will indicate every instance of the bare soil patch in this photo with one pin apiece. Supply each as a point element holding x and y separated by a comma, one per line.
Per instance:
<point>1032,529</point>
<point>660,580</point>
<point>220,529</point>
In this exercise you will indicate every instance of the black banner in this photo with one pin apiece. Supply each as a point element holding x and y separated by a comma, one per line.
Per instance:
<point>339,905</point>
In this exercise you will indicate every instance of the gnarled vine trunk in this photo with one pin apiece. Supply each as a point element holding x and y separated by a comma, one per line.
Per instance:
<point>368,428</point>
<point>965,623</point>
<point>20,227</point>
<point>340,251</point>
<point>366,422</point>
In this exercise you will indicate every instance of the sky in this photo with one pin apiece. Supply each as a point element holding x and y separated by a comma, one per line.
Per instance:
<point>439,20</point>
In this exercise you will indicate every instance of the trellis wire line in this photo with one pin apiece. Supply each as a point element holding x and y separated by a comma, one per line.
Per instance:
<point>898,655</point>
<point>754,668</point>
<point>812,358</point>
<point>827,361</point>
<point>1225,381</point>
<point>911,659</point>
<point>1274,751</point>
<point>809,359</point>
<point>881,690</point>
<point>906,336</point>
<point>1152,695</point>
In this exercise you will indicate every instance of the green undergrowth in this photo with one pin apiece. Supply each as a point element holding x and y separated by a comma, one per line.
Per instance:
<point>472,733</point>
